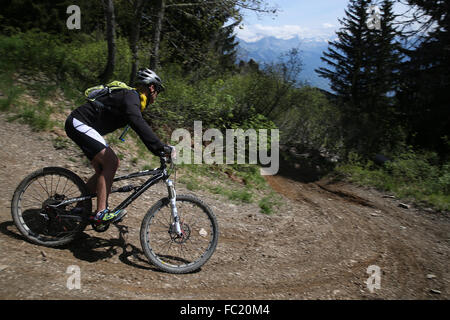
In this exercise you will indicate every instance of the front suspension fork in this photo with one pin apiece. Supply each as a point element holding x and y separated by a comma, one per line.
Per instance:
<point>173,206</point>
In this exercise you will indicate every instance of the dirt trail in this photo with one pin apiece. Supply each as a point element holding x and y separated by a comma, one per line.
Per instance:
<point>319,246</point>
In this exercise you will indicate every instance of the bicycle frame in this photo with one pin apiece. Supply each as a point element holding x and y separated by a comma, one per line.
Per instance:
<point>157,175</point>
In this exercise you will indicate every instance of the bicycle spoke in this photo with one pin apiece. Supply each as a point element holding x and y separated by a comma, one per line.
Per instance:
<point>43,188</point>
<point>57,184</point>
<point>169,245</point>
<point>38,200</point>
<point>64,189</point>
<point>188,249</point>
<point>51,184</point>
<point>33,210</point>
<point>70,193</point>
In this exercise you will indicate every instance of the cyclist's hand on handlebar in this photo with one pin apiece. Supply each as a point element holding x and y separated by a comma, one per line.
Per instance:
<point>168,151</point>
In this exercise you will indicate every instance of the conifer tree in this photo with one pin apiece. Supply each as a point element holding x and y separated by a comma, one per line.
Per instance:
<point>425,85</point>
<point>347,57</point>
<point>384,61</point>
<point>363,63</point>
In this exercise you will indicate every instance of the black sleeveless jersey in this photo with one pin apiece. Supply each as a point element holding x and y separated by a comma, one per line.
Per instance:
<point>121,108</point>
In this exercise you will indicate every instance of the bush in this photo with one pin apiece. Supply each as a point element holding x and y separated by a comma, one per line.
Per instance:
<point>79,62</point>
<point>413,175</point>
<point>444,179</point>
<point>10,92</point>
<point>90,59</point>
<point>38,118</point>
<point>418,169</point>
<point>216,101</point>
<point>35,51</point>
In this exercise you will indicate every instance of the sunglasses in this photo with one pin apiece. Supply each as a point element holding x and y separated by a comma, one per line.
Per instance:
<point>158,88</point>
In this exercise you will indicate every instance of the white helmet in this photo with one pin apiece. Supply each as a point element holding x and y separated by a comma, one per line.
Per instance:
<point>148,77</point>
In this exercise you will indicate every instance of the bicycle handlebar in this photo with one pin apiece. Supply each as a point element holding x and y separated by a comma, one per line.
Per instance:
<point>166,157</point>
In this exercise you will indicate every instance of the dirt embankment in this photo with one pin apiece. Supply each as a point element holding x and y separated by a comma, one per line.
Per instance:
<point>318,246</point>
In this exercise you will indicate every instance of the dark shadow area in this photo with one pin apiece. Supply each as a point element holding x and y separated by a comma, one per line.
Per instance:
<point>92,249</point>
<point>5,229</point>
<point>306,166</point>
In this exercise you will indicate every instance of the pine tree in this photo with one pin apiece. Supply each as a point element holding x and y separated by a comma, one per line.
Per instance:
<point>384,62</point>
<point>425,85</point>
<point>342,54</point>
<point>363,65</point>
<point>225,45</point>
<point>347,57</point>
<point>196,36</point>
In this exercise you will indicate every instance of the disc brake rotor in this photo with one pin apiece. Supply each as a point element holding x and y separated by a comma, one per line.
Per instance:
<point>185,233</point>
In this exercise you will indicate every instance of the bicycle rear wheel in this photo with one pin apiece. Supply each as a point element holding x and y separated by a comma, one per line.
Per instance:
<point>33,212</point>
<point>170,252</point>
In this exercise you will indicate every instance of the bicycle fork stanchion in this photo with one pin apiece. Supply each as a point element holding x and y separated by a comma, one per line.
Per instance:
<point>173,206</point>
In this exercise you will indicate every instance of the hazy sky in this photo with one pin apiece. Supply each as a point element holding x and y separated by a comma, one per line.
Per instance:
<point>305,18</point>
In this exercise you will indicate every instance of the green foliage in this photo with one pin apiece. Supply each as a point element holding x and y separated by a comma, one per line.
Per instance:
<point>197,38</point>
<point>90,59</point>
<point>10,92</point>
<point>312,122</point>
<point>217,102</point>
<point>61,143</point>
<point>267,203</point>
<point>363,66</point>
<point>77,63</point>
<point>413,167</point>
<point>237,195</point>
<point>48,16</point>
<point>241,195</point>
<point>38,118</point>
<point>417,176</point>
<point>35,52</point>
<point>198,56</point>
<point>444,179</point>
<point>250,175</point>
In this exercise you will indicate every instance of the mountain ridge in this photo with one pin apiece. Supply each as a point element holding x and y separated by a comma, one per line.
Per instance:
<point>269,50</point>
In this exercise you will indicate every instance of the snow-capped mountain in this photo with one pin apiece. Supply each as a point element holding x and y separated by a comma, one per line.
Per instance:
<point>269,49</point>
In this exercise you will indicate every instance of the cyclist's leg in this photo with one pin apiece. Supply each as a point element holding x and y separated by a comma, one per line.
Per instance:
<point>92,182</point>
<point>105,164</point>
<point>101,156</point>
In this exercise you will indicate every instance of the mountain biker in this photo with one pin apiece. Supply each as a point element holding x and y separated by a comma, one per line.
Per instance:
<point>89,122</point>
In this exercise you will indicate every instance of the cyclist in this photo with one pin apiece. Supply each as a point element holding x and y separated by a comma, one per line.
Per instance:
<point>88,123</point>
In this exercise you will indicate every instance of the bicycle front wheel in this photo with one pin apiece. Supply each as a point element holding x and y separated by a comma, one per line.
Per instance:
<point>179,254</point>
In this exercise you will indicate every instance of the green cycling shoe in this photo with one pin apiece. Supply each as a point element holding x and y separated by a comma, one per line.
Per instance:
<point>107,216</point>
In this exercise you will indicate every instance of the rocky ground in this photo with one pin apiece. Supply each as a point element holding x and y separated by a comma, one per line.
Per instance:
<point>319,245</point>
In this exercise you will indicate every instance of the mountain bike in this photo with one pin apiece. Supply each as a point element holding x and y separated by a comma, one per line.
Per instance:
<point>178,234</point>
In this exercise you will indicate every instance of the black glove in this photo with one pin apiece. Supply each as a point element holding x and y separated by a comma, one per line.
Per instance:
<point>166,151</point>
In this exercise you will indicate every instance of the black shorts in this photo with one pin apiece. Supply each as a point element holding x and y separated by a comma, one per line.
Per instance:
<point>87,138</point>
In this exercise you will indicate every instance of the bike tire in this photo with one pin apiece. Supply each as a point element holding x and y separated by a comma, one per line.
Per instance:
<point>31,222</point>
<point>201,224</point>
